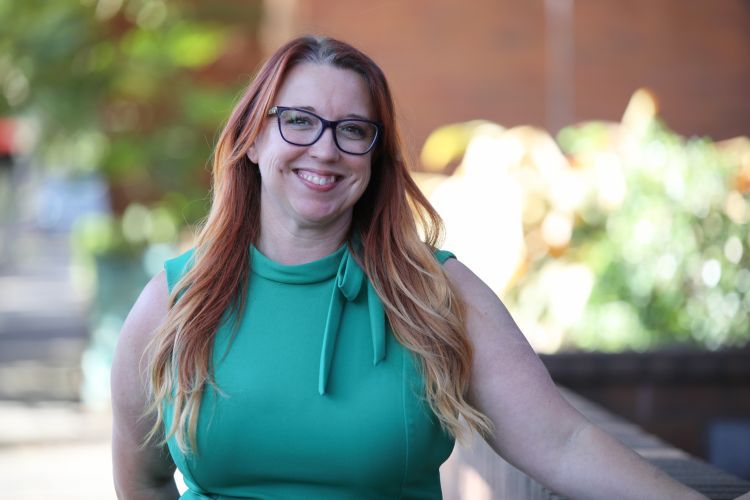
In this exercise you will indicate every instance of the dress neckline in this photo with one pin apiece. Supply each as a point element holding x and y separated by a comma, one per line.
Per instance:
<point>310,272</point>
<point>348,284</point>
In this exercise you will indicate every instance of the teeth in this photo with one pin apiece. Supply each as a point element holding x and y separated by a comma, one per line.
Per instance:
<point>316,179</point>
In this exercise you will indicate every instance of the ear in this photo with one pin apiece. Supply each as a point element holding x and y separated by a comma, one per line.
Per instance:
<point>252,153</point>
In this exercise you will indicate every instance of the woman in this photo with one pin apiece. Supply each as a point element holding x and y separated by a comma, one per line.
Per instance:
<point>312,345</point>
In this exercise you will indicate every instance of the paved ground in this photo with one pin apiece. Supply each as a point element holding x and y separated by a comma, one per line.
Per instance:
<point>54,450</point>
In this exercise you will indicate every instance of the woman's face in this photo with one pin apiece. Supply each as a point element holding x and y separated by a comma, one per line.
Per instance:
<point>316,186</point>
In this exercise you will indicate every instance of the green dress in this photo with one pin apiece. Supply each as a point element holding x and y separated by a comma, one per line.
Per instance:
<point>318,400</point>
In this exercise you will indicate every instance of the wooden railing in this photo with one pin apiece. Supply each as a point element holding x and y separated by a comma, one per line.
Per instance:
<point>475,472</point>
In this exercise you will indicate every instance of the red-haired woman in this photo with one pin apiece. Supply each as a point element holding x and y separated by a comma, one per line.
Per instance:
<point>313,345</point>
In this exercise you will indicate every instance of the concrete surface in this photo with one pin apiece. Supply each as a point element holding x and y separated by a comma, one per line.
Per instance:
<point>51,451</point>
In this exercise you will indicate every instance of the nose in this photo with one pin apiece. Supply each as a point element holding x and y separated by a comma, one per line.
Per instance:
<point>325,147</point>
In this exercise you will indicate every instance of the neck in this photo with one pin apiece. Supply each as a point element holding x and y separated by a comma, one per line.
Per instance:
<point>298,245</point>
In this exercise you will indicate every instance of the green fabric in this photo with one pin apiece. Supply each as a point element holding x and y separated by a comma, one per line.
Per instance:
<point>317,397</point>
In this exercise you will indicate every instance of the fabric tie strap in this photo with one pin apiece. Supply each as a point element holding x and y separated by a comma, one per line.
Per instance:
<point>347,287</point>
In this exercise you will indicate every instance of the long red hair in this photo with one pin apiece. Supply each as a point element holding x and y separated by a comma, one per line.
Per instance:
<point>420,303</point>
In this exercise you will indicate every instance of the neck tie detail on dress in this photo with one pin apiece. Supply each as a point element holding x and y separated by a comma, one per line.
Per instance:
<point>347,287</point>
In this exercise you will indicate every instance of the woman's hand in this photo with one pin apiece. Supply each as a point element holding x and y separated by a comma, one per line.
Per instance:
<point>535,428</point>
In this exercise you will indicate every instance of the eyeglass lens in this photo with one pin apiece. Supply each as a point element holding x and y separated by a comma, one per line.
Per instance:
<point>303,129</point>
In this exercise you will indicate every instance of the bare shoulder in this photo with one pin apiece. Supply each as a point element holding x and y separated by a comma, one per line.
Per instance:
<point>146,315</point>
<point>148,312</point>
<point>152,305</point>
<point>487,319</point>
<point>457,270</point>
<point>499,344</point>
<point>468,284</point>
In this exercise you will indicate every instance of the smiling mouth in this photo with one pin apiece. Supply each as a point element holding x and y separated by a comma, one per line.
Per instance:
<point>320,180</point>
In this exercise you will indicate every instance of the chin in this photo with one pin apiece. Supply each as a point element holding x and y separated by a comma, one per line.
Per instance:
<point>324,220</point>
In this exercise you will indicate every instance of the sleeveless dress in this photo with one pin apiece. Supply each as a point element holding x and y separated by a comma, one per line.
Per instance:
<point>316,398</point>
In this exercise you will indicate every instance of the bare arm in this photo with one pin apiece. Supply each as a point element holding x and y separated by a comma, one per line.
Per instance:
<point>535,428</point>
<point>140,473</point>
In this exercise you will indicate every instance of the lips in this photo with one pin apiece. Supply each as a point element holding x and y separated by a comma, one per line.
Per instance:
<point>317,179</point>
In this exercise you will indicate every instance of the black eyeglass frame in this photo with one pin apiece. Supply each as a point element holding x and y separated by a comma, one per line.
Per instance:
<point>332,124</point>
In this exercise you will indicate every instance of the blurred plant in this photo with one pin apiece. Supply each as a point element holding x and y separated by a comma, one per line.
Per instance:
<point>134,88</point>
<point>636,238</point>
<point>672,261</point>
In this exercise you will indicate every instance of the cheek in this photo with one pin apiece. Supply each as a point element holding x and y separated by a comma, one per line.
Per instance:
<point>368,180</point>
<point>366,171</point>
<point>365,178</point>
<point>269,150</point>
<point>275,161</point>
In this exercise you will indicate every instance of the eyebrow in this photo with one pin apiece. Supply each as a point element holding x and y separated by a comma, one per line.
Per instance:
<point>346,116</point>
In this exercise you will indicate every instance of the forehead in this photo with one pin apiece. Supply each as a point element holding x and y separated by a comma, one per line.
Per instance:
<point>327,89</point>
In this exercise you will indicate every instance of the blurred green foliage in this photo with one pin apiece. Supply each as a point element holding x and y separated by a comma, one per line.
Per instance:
<point>671,262</point>
<point>135,89</point>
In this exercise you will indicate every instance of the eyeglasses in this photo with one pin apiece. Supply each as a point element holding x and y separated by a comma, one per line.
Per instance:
<point>303,128</point>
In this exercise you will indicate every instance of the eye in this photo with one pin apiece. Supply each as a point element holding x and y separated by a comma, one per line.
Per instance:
<point>297,119</point>
<point>355,130</point>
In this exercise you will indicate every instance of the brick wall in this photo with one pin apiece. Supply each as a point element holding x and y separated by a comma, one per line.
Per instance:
<point>694,54</point>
